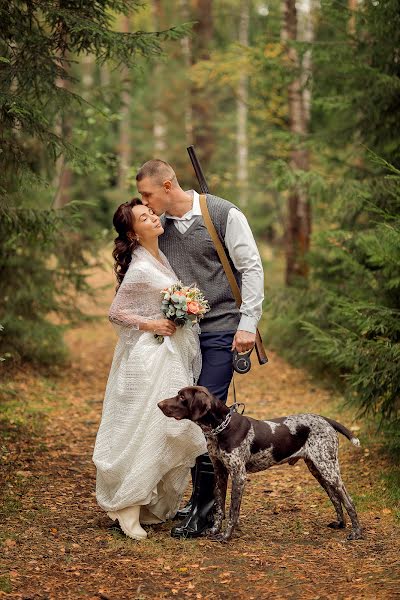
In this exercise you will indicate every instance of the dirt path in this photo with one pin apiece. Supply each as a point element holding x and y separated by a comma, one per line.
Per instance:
<point>56,544</point>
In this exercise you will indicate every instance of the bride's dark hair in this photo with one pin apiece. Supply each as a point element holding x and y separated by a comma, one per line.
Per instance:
<point>124,243</point>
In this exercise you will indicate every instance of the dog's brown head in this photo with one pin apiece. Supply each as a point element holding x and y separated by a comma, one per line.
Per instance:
<point>190,403</point>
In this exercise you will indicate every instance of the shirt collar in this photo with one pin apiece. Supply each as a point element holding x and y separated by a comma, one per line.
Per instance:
<point>193,212</point>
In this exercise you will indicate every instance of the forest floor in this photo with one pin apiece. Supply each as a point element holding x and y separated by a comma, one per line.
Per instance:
<point>56,543</point>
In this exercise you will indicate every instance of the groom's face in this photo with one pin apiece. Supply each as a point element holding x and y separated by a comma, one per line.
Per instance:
<point>154,195</point>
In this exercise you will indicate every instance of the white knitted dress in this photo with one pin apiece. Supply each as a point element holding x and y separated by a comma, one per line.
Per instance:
<point>143,457</point>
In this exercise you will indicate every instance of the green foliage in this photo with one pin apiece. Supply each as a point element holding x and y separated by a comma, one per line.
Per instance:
<point>43,266</point>
<point>346,321</point>
<point>45,254</point>
<point>357,77</point>
<point>39,45</point>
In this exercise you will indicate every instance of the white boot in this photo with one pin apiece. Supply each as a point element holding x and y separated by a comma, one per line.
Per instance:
<point>128,518</point>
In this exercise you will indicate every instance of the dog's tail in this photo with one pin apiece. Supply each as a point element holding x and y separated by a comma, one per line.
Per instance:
<point>343,430</point>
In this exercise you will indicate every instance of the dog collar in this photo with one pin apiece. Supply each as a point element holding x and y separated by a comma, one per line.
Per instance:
<point>226,421</point>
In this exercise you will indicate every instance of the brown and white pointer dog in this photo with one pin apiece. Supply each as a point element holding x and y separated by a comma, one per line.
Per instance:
<point>237,443</point>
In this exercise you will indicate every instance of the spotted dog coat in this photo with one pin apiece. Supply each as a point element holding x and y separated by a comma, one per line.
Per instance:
<point>249,445</point>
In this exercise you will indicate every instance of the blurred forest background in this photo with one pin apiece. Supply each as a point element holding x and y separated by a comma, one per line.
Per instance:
<point>293,108</point>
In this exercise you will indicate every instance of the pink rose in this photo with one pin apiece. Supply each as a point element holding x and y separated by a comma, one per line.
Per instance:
<point>193,308</point>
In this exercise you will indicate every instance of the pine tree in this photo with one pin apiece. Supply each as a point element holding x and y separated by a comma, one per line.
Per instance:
<point>42,256</point>
<point>345,322</point>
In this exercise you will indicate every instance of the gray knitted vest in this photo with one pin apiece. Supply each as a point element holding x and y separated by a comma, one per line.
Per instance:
<point>195,261</point>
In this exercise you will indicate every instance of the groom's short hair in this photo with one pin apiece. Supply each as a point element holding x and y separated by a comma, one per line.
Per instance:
<point>159,170</point>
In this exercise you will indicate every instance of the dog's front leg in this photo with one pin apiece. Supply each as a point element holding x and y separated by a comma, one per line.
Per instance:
<point>221,483</point>
<point>238,475</point>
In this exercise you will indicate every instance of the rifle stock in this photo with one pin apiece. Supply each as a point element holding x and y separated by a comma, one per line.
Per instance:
<point>260,350</point>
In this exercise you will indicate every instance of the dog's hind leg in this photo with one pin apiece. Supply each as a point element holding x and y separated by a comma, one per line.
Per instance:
<point>356,532</point>
<point>334,498</point>
<point>330,472</point>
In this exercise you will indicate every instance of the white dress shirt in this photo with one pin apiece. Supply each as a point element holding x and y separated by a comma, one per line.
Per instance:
<point>244,254</point>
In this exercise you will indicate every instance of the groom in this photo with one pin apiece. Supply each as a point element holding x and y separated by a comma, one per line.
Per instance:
<point>191,252</point>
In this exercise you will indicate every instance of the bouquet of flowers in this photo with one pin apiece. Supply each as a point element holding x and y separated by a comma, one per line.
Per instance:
<point>182,304</point>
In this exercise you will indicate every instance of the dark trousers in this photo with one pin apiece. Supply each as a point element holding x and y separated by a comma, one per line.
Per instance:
<point>216,372</point>
<point>216,375</point>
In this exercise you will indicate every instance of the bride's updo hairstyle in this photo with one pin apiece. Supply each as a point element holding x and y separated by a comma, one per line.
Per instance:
<point>125,243</point>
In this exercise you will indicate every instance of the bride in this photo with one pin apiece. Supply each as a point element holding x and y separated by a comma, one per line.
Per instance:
<point>142,457</point>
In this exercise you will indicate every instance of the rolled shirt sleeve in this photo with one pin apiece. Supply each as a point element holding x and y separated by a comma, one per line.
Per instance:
<point>243,251</point>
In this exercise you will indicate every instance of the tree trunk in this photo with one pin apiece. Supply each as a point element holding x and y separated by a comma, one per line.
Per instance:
<point>87,75</point>
<point>187,58</point>
<point>202,105</point>
<point>306,34</point>
<point>353,4</point>
<point>299,212</point>
<point>63,177</point>
<point>160,121</point>
<point>124,146</point>
<point>242,100</point>
<point>105,78</point>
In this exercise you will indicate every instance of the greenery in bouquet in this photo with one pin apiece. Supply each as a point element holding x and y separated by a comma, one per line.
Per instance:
<point>182,304</point>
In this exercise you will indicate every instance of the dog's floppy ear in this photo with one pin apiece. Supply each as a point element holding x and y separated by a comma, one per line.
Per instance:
<point>200,403</point>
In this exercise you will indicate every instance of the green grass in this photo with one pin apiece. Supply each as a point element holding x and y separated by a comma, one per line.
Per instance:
<point>25,406</point>
<point>391,480</point>
<point>5,584</point>
<point>9,506</point>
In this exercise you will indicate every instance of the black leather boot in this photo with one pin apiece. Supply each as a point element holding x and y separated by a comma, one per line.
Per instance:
<point>200,516</point>
<point>183,512</point>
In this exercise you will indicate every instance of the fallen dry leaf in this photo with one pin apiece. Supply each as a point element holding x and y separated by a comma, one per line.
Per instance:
<point>63,547</point>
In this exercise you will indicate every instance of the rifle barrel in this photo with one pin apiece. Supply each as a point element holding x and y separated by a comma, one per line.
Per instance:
<point>198,170</point>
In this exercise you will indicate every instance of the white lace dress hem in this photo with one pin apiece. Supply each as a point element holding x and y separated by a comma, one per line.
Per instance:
<point>143,457</point>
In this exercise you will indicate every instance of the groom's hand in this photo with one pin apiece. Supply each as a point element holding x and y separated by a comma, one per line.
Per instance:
<point>243,341</point>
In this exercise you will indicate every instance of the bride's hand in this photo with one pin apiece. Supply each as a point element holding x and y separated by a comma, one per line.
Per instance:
<point>161,327</point>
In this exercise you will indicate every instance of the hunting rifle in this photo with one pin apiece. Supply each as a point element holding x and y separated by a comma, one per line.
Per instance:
<point>261,355</point>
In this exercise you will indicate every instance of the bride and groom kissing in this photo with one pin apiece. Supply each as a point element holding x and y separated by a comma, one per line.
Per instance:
<point>142,457</point>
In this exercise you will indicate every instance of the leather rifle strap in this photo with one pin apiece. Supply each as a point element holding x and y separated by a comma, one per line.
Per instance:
<point>220,249</point>
<point>262,357</point>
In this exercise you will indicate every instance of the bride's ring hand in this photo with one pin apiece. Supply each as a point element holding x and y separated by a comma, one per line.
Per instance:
<point>163,327</point>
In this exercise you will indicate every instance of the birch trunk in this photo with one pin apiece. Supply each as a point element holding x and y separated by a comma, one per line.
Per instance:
<point>242,102</point>
<point>353,4</point>
<point>124,146</point>
<point>87,75</point>
<point>187,59</point>
<point>306,34</point>
<point>105,78</point>
<point>159,118</point>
